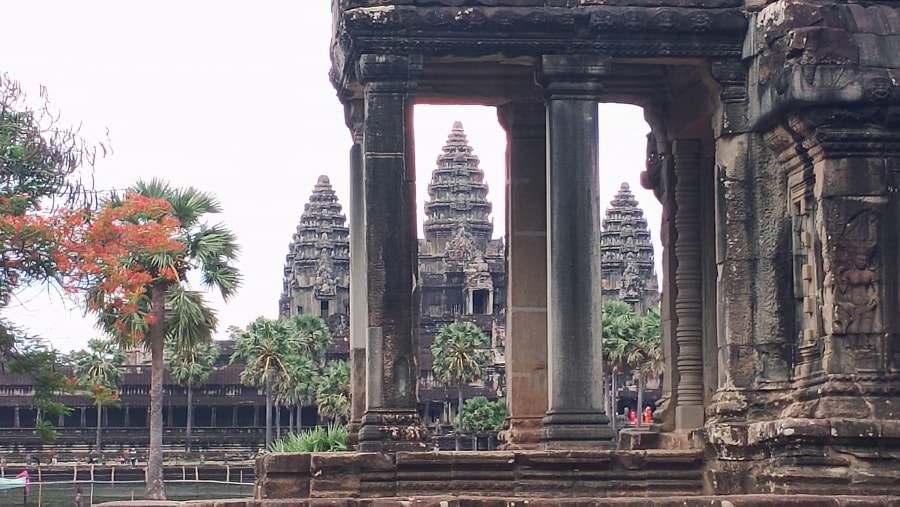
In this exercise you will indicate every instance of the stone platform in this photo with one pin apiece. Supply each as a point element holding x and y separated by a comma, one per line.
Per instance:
<point>466,501</point>
<point>502,474</point>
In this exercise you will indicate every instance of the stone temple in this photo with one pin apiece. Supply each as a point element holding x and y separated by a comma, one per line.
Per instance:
<point>775,152</point>
<point>626,254</point>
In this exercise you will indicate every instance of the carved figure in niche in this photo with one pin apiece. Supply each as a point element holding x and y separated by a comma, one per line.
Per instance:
<point>325,284</point>
<point>856,297</point>
<point>631,284</point>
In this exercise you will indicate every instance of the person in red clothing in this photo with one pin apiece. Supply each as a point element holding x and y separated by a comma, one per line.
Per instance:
<point>632,417</point>
<point>647,417</point>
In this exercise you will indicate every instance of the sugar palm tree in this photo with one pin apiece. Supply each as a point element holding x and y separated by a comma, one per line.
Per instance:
<point>297,387</point>
<point>312,334</point>
<point>646,353</point>
<point>99,369</point>
<point>461,356</point>
<point>265,347</point>
<point>333,391</point>
<point>208,249</point>
<point>618,325</point>
<point>190,357</point>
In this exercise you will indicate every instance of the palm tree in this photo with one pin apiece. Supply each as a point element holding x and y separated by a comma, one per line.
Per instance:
<point>333,391</point>
<point>99,369</point>
<point>297,387</point>
<point>461,355</point>
<point>618,321</point>
<point>190,364</point>
<point>646,353</point>
<point>265,346</point>
<point>209,249</point>
<point>312,334</point>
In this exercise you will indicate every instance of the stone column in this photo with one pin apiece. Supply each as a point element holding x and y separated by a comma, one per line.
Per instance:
<point>355,114</point>
<point>688,360</point>
<point>127,416</point>
<point>212,417</point>
<point>391,422</point>
<point>234,417</point>
<point>575,416</point>
<point>526,271</point>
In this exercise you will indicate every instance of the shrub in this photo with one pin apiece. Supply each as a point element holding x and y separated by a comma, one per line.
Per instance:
<point>329,439</point>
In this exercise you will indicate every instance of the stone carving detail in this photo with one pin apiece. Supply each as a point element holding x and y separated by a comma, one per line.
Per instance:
<point>856,294</point>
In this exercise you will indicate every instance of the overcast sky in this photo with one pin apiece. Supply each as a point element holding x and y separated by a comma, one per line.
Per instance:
<point>234,98</point>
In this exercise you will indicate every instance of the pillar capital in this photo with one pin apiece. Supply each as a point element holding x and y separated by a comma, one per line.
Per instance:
<point>389,73</point>
<point>523,119</point>
<point>573,76</point>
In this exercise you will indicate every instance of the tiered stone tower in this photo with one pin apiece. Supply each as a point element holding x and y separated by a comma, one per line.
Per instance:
<point>627,254</point>
<point>461,269</point>
<point>317,266</point>
<point>458,195</point>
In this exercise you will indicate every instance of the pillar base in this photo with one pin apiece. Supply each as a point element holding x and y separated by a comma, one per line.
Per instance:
<point>390,431</point>
<point>576,430</point>
<point>523,434</point>
<point>688,417</point>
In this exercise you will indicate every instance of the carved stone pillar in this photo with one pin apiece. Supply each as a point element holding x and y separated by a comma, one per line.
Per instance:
<point>575,416</point>
<point>526,271</point>
<point>391,422</point>
<point>355,114</point>
<point>688,306</point>
<point>127,416</point>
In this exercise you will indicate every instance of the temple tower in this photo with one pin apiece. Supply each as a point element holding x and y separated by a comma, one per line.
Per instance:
<point>628,271</point>
<point>461,269</point>
<point>457,195</point>
<point>317,266</point>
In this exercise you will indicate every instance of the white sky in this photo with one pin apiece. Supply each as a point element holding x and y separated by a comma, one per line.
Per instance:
<point>234,98</point>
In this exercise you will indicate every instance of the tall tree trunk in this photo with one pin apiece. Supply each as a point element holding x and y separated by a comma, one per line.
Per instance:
<point>99,421</point>
<point>290,419</point>
<point>459,414</point>
<point>190,415</point>
<point>268,409</point>
<point>278,420</point>
<point>156,488</point>
<point>299,418</point>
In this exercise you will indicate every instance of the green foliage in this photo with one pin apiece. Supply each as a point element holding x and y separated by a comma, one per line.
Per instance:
<point>479,414</point>
<point>461,353</point>
<point>333,391</point>
<point>99,370</point>
<point>312,334</point>
<point>329,439</point>
<point>32,357</point>
<point>264,347</point>
<point>41,162</point>
<point>190,364</point>
<point>630,340</point>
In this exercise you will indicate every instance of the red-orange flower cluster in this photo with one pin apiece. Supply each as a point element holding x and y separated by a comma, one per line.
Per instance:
<point>121,249</point>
